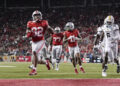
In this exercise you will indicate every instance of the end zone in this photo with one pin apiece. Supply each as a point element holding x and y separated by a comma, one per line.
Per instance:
<point>59,82</point>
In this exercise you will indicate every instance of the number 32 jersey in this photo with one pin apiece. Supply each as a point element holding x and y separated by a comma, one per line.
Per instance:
<point>72,42</point>
<point>38,29</point>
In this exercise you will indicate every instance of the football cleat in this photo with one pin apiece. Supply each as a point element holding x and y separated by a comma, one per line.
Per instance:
<point>76,71</point>
<point>33,72</point>
<point>57,69</point>
<point>31,67</point>
<point>48,65</point>
<point>118,69</point>
<point>82,70</point>
<point>104,74</point>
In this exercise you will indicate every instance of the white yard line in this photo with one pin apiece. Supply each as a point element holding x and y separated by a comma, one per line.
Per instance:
<point>6,66</point>
<point>73,73</point>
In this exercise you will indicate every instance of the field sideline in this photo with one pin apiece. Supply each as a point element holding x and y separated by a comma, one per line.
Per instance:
<point>20,70</point>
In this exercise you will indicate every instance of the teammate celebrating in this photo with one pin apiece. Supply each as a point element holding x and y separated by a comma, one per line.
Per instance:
<point>56,43</point>
<point>36,30</point>
<point>109,35</point>
<point>72,37</point>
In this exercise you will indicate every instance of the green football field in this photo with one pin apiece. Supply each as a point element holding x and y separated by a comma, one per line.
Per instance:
<point>15,70</point>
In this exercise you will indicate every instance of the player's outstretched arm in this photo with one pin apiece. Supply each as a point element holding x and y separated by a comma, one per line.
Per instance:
<point>50,29</point>
<point>96,39</point>
<point>65,39</point>
<point>29,33</point>
<point>117,35</point>
<point>79,38</point>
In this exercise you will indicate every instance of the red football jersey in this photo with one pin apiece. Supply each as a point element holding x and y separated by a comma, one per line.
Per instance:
<point>57,39</point>
<point>38,29</point>
<point>72,42</point>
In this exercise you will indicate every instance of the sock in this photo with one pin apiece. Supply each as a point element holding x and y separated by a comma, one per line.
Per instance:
<point>118,65</point>
<point>105,64</point>
<point>57,64</point>
<point>34,68</point>
<point>46,62</point>
<point>53,65</point>
<point>80,66</point>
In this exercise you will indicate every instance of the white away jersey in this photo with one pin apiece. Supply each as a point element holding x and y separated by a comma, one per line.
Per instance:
<point>111,33</point>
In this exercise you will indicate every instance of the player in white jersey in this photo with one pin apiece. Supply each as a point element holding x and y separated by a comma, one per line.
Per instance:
<point>109,35</point>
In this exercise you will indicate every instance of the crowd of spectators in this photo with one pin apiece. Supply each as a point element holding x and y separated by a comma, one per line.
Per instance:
<point>13,26</point>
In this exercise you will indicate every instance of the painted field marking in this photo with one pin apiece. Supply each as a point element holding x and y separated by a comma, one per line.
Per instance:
<point>74,73</point>
<point>6,66</point>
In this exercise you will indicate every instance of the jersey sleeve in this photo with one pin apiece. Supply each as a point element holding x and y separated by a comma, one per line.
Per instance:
<point>99,30</point>
<point>77,31</point>
<point>117,27</point>
<point>45,23</point>
<point>117,33</point>
<point>29,24</point>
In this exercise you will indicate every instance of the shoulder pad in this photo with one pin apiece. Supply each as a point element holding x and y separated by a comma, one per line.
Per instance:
<point>99,29</point>
<point>116,26</point>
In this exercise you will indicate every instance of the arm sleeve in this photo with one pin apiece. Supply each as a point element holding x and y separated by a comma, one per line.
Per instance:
<point>45,23</point>
<point>99,30</point>
<point>29,33</point>
<point>117,33</point>
<point>29,24</point>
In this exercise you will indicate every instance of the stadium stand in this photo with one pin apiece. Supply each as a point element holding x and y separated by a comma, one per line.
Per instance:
<point>13,22</point>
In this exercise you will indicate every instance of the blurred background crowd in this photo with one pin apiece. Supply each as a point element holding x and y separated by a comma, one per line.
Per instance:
<point>87,16</point>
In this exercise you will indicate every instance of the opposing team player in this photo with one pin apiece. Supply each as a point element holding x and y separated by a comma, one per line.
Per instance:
<point>36,30</point>
<point>71,36</point>
<point>56,43</point>
<point>109,35</point>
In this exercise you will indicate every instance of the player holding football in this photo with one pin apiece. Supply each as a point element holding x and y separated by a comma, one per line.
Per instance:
<point>56,44</point>
<point>36,30</point>
<point>109,35</point>
<point>72,36</point>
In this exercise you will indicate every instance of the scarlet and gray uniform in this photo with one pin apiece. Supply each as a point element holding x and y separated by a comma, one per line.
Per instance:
<point>72,42</point>
<point>57,42</point>
<point>38,30</point>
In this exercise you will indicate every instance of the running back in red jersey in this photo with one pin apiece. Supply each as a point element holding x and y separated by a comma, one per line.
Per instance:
<point>37,30</point>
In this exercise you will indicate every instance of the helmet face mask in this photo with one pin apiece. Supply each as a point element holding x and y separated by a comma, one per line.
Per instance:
<point>109,23</point>
<point>69,26</point>
<point>109,20</point>
<point>37,15</point>
<point>57,30</point>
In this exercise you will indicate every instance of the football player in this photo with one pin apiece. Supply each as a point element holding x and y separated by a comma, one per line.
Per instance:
<point>56,43</point>
<point>36,30</point>
<point>109,35</point>
<point>72,36</point>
